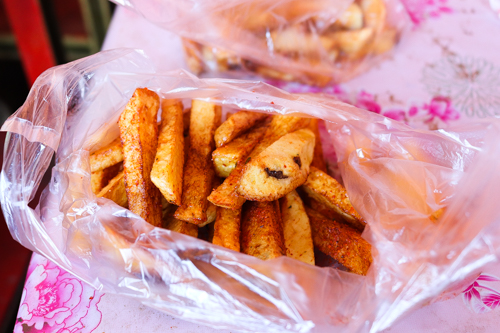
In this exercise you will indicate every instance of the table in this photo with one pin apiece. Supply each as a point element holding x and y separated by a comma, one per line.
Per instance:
<point>450,37</point>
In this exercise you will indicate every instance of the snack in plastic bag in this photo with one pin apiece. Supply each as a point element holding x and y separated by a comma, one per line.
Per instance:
<point>397,179</point>
<point>313,42</point>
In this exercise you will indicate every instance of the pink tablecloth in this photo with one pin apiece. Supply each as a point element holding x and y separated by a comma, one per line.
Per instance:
<point>446,70</point>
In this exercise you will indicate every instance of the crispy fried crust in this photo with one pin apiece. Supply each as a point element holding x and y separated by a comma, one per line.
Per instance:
<point>351,18</point>
<point>182,227</point>
<point>227,228</point>
<point>262,230</point>
<point>198,171</point>
<point>107,156</point>
<point>226,158</point>
<point>279,169</point>
<point>115,191</point>
<point>139,137</point>
<point>326,190</point>
<point>236,125</point>
<point>296,229</point>
<point>318,159</point>
<point>99,179</point>
<point>169,161</point>
<point>341,242</point>
<point>375,14</point>
<point>226,195</point>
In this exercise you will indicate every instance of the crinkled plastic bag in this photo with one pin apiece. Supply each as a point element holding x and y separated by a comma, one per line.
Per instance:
<point>313,42</point>
<point>396,177</point>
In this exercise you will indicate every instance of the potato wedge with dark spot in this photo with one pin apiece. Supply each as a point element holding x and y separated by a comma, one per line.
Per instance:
<point>279,169</point>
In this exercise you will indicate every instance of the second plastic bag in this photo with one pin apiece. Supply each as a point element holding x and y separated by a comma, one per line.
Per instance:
<point>313,42</point>
<point>428,198</point>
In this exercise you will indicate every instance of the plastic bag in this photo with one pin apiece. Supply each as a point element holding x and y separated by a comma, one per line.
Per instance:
<point>397,177</point>
<point>313,42</point>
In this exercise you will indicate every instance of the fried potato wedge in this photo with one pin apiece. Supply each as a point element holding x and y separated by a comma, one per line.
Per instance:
<point>226,195</point>
<point>169,161</point>
<point>318,160</point>
<point>279,169</point>
<point>235,125</point>
<point>341,242</point>
<point>375,14</point>
<point>226,158</point>
<point>198,170</point>
<point>115,190</point>
<point>181,227</point>
<point>354,43</point>
<point>325,189</point>
<point>139,137</point>
<point>385,41</point>
<point>106,156</point>
<point>351,18</point>
<point>294,40</point>
<point>227,228</point>
<point>101,178</point>
<point>262,230</point>
<point>296,228</point>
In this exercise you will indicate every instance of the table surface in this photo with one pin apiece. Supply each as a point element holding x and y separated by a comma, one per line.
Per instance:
<point>418,84</point>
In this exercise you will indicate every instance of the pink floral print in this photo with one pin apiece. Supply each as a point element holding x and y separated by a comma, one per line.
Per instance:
<point>440,107</point>
<point>55,301</point>
<point>420,10</point>
<point>480,298</point>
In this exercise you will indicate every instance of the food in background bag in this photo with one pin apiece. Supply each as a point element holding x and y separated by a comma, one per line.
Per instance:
<point>280,150</point>
<point>299,40</point>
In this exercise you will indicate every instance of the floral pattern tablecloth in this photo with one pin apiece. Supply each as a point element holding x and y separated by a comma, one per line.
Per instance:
<point>445,70</point>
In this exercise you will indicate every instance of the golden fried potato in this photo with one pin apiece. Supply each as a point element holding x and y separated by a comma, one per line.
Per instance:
<point>351,18</point>
<point>341,242</point>
<point>107,156</point>
<point>293,40</point>
<point>169,161</point>
<point>181,227</point>
<point>211,209</point>
<point>318,159</point>
<point>354,43</point>
<point>279,169</point>
<point>309,77</point>
<point>325,189</point>
<point>226,195</point>
<point>227,228</point>
<point>226,158</point>
<point>375,14</point>
<point>262,230</point>
<point>115,190</point>
<point>198,170</point>
<point>296,229</point>
<point>193,57</point>
<point>235,125</point>
<point>139,137</point>
<point>385,41</point>
<point>101,178</point>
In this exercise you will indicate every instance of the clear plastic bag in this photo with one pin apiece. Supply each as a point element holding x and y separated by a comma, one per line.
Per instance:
<point>397,178</point>
<point>313,42</point>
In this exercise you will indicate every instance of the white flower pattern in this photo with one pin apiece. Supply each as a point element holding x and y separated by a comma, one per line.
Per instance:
<point>472,84</point>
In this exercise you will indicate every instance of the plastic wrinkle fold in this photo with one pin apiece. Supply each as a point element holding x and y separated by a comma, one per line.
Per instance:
<point>398,179</point>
